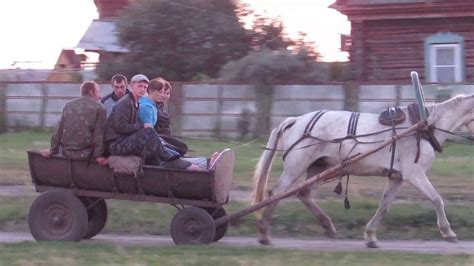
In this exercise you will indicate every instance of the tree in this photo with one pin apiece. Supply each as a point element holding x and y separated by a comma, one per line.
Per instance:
<point>177,39</point>
<point>269,33</point>
<point>266,67</point>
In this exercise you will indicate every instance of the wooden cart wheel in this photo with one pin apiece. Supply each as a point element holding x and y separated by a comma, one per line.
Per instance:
<point>97,215</point>
<point>221,230</point>
<point>57,215</point>
<point>192,225</point>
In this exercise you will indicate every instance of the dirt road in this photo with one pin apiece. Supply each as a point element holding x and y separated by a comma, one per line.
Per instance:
<point>462,247</point>
<point>434,247</point>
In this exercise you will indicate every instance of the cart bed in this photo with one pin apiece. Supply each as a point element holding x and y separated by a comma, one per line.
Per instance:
<point>157,183</point>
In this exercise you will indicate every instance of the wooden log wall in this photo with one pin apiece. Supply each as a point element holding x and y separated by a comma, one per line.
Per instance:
<point>389,49</point>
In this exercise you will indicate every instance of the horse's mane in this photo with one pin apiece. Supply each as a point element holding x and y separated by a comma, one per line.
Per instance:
<point>438,109</point>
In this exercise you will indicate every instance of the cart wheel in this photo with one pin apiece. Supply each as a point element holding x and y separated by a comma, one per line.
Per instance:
<point>57,215</point>
<point>97,215</point>
<point>192,226</point>
<point>221,230</point>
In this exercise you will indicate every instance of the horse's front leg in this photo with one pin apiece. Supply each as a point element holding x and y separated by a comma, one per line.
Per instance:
<point>324,219</point>
<point>419,180</point>
<point>390,193</point>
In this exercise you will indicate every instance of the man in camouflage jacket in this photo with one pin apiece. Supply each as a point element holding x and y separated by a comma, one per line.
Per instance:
<point>79,133</point>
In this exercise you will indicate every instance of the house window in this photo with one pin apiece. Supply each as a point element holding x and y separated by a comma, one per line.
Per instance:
<point>444,58</point>
<point>446,63</point>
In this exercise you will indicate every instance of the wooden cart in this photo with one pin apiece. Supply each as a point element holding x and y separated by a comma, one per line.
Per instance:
<point>72,204</point>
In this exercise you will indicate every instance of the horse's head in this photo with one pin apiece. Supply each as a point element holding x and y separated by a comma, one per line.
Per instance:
<point>453,114</point>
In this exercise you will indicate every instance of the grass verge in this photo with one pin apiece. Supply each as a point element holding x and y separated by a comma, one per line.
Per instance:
<point>96,254</point>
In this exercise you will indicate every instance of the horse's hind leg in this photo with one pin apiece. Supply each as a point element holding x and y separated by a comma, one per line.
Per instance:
<point>390,193</point>
<point>264,223</point>
<point>326,222</point>
<point>422,183</point>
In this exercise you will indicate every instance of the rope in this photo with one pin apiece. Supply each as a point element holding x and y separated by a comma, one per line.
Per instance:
<point>339,140</point>
<point>468,138</point>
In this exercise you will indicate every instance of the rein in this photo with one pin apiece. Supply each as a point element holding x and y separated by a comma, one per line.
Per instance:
<point>307,134</point>
<point>470,139</point>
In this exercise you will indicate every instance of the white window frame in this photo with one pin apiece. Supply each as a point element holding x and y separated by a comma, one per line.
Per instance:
<point>457,61</point>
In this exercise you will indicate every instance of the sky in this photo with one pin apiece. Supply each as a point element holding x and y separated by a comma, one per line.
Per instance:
<point>35,31</point>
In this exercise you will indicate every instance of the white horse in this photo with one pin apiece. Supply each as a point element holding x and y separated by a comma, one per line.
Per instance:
<point>313,155</point>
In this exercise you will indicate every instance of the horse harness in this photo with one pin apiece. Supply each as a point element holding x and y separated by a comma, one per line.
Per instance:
<point>426,132</point>
<point>307,131</point>
<point>391,117</point>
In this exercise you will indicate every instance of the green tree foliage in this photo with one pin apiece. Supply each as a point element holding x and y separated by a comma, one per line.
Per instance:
<point>178,39</point>
<point>269,33</point>
<point>267,67</point>
<point>275,67</point>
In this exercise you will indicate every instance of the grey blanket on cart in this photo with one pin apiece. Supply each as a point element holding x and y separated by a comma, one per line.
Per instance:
<point>130,165</point>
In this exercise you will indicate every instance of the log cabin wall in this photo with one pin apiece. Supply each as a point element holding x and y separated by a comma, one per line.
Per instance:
<point>390,49</point>
<point>390,38</point>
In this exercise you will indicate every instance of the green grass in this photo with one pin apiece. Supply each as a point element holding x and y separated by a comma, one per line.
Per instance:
<point>104,254</point>
<point>404,221</point>
<point>455,160</point>
<point>15,145</point>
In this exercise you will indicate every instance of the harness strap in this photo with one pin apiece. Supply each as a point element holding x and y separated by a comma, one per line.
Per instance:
<point>352,127</point>
<point>425,133</point>
<point>351,131</point>
<point>309,127</point>
<point>351,134</point>
<point>392,147</point>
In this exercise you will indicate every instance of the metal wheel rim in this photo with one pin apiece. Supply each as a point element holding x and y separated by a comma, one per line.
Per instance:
<point>193,229</point>
<point>57,219</point>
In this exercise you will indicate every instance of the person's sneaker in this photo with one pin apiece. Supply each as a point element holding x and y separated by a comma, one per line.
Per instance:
<point>213,159</point>
<point>177,164</point>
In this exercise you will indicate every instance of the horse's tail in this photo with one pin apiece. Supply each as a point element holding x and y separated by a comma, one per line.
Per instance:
<point>262,170</point>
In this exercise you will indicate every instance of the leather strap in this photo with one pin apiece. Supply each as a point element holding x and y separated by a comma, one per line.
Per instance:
<point>307,131</point>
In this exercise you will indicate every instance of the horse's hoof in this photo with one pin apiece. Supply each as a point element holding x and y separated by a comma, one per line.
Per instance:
<point>264,241</point>
<point>331,234</point>
<point>372,244</point>
<point>452,239</point>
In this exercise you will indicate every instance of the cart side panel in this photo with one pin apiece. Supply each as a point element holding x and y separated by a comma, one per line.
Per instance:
<point>49,171</point>
<point>92,176</point>
<point>126,183</point>
<point>177,183</point>
<point>59,171</point>
<point>223,174</point>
